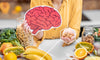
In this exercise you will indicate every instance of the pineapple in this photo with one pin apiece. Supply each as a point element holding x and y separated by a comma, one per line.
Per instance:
<point>25,38</point>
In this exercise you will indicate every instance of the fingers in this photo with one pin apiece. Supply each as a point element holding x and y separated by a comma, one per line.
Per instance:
<point>25,28</point>
<point>39,35</point>
<point>65,39</point>
<point>68,35</point>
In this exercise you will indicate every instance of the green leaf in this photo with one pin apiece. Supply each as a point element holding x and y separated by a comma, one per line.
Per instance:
<point>2,34</point>
<point>9,35</point>
<point>96,29</point>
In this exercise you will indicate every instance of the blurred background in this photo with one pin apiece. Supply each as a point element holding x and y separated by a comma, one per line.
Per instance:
<point>10,10</point>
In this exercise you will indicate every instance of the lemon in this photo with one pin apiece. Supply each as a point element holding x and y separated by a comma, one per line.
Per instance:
<point>10,56</point>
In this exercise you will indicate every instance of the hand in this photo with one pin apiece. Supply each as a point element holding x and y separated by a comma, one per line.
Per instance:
<point>39,35</point>
<point>68,35</point>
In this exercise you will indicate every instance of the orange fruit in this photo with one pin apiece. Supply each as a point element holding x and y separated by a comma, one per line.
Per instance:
<point>4,46</point>
<point>80,53</point>
<point>10,56</point>
<point>88,46</point>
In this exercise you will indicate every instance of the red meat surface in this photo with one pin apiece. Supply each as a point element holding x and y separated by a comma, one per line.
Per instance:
<point>42,18</point>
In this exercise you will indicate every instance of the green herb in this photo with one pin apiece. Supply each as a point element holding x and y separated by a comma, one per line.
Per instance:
<point>9,35</point>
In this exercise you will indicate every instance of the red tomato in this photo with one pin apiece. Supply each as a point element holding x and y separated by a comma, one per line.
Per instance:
<point>99,34</point>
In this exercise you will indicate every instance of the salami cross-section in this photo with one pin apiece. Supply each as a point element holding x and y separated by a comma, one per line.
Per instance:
<point>42,18</point>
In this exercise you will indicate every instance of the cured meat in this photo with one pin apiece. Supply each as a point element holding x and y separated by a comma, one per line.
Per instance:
<point>42,18</point>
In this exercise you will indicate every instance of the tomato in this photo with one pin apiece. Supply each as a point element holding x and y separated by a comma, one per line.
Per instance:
<point>99,34</point>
